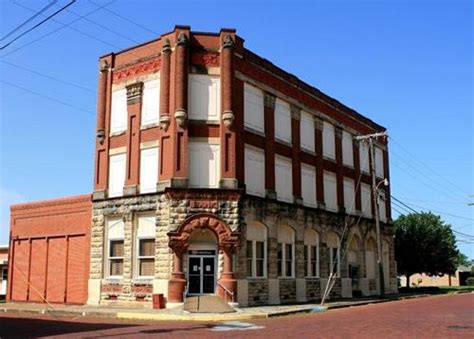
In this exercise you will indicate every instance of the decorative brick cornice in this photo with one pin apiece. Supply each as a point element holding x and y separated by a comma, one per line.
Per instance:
<point>210,59</point>
<point>147,67</point>
<point>86,198</point>
<point>269,100</point>
<point>134,93</point>
<point>166,46</point>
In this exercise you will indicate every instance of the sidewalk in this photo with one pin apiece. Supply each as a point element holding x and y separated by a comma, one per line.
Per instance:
<point>244,313</point>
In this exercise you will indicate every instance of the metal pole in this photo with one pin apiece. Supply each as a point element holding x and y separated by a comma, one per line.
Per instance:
<point>375,197</point>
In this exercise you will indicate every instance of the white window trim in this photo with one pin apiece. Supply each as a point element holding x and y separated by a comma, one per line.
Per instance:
<point>256,153</point>
<point>218,97</point>
<point>254,259</point>
<point>117,130</point>
<point>308,253</point>
<point>150,189</point>
<point>331,261</point>
<point>109,258</point>
<point>283,258</point>
<point>138,257</point>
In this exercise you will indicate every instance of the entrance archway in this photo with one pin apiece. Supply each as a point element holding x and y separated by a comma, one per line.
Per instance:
<point>196,229</point>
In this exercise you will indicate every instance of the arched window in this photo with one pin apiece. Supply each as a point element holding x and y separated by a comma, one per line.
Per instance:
<point>352,257</point>
<point>286,252</point>
<point>311,253</point>
<point>256,250</point>
<point>386,263</point>
<point>370,248</point>
<point>332,242</point>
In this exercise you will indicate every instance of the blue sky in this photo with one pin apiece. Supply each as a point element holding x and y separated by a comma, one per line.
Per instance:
<point>407,65</point>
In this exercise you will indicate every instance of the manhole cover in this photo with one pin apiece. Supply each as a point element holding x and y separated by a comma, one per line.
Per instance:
<point>236,326</point>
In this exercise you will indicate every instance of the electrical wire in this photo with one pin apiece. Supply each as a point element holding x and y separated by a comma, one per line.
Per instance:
<point>65,82</point>
<point>49,17</point>
<point>51,3</point>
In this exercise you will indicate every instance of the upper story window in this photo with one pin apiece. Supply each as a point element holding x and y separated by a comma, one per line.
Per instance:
<point>283,179</point>
<point>204,97</point>
<point>329,146</point>
<point>282,121</point>
<point>256,250</point>
<point>286,251</point>
<point>349,193</point>
<point>307,132</point>
<point>254,171</point>
<point>347,150</point>
<point>364,156</point>
<point>115,247</point>
<point>330,191</point>
<point>117,174</point>
<point>382,208</point>
<point>308,185</point>
<point>366,201</point>
<point>149,169</point>
<point>311,253</point>
<point>118,115</point>
<point>151,102</point>
<point>379,169</point>
<point>145,246</point>
<point>204,164</point>
<point>253,108</point>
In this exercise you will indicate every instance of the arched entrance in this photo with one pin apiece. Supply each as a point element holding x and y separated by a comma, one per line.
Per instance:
<point>198,236</point>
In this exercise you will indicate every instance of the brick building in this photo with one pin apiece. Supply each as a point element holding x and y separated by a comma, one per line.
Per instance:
<point>216,172</point>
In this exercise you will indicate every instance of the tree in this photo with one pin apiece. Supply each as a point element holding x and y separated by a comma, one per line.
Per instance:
<point>463,260</point>
<point>424,244</point>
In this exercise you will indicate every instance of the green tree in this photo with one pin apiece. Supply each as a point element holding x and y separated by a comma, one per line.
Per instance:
<point>424,244</point>
<point>463,260</point>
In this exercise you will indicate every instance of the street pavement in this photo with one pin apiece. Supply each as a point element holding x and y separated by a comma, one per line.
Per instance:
<point>430,317</point>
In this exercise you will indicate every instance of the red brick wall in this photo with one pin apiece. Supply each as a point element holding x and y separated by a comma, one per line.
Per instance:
<point>49,250</point>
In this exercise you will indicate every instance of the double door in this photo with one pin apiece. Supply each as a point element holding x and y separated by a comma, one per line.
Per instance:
<point>202,277</point>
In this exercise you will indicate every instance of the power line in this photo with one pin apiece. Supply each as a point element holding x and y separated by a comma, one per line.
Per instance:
<point>38,24</point>
<point>29,19</point>
<point>126,19</point>
<point>64,26</point>
<point>435,201</point>
<point>464,234</point>
<point>46,97</point>
<point>428,167</point>
<point>48,76</point>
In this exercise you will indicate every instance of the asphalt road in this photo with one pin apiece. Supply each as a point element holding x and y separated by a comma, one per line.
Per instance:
<point>432,317</point>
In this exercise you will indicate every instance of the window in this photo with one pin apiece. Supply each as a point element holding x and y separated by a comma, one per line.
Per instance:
<point>347,150</point>
<point>334,254</point>
<point>118,116</point>
<point>286,255</point>
<point>254,171</point>
<point>379,170</point>
<point>204,97</point>
<point>117,175</point>
<point>151,102</point>
<point>311,254</point>
<point>370,262</point>
<point>366,202</point>
<point>329,146</point>
<point>283,179</point>
<point>256,250</point>
<point>253,108</point>
<point>115,234</point>
<point>364,156</point>
<point>330,191</point>
<point>308,185</point>
<point>307,132</point>
<point>4,274</point>
<point>148,169</point>
<point>349,193</point>
<point>204,164</point>
<point>146,233</point>
<point>282,121</point>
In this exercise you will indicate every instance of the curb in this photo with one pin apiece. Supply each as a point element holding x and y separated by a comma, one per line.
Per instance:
<point>209,316</point>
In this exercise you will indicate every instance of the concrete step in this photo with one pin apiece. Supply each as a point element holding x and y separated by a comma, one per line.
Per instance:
<point>207,304</point>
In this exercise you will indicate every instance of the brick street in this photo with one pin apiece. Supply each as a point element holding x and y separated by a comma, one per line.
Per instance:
<point>431,317</point>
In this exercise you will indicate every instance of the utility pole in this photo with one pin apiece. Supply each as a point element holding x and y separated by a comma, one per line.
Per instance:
<point>375,196</point>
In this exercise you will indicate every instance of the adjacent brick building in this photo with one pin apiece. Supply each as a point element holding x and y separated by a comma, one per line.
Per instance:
<point>218,172</point>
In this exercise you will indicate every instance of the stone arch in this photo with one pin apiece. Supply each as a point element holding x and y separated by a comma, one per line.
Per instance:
<point>179,239</point>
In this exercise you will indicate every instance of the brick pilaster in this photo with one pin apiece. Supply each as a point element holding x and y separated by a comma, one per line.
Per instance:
<point>295,153</point>
<point>269,114</point>
<point>134,105</point>
<point>339,171</point>
<point>227,129</point>
<point>318,136</point>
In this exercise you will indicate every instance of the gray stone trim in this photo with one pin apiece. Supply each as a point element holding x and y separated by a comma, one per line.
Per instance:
<point>228,183</point>
<point>99,195</point>
<point>130,190</point>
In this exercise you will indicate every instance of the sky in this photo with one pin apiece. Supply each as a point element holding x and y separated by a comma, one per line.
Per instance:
<point>408,65</point>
